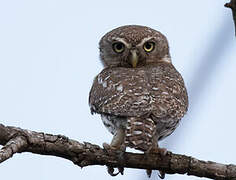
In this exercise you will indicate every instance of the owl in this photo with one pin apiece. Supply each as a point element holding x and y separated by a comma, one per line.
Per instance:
<point>139,94</point>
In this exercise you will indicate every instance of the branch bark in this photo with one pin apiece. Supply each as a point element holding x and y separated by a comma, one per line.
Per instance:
<point>17,140</point>
<point>232,6</point>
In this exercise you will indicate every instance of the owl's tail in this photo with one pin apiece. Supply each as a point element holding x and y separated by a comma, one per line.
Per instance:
<point>140,133</point>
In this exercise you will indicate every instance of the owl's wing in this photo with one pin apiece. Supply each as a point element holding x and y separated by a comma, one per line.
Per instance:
<point>156,90</point>
<point>169,95</point>
<point>120,91</point>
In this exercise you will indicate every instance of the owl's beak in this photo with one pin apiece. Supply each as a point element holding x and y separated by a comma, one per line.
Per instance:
<point>133,58</point>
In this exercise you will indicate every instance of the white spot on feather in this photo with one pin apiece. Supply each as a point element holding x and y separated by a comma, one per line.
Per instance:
<point>100,80</point>
<point>137,132</point>
<point>150,120</point>
<point>134,142</point>
<point>137,123</point>
<point>164,92</point>
<point>149,127</point>
<point>162,109</point>
<point>166,59</point>
<point>119,88</point>
<point>155,88</point>
<point>137,142</point>
<point>106,78</point>
<point>104,84</point>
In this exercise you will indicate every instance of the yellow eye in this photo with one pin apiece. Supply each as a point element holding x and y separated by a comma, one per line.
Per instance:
<point>149,46</point>
<point>118,47</point>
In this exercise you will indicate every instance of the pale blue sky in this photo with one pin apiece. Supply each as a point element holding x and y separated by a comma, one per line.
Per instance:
<point>49,57</point>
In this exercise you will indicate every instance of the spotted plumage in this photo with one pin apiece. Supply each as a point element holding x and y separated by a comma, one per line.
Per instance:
<point>155,92</point>
<point>140,95</point>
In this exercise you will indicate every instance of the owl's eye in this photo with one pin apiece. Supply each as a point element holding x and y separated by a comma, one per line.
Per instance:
<point>149,46</point>
<point>118,47</point>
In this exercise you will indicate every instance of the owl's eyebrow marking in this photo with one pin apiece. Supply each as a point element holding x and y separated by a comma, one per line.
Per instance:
<point>128,45</point>
<point>144,40</point>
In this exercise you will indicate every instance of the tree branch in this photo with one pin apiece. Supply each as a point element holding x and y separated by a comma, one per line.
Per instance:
<point>232,6</point>
<point>17,140</point>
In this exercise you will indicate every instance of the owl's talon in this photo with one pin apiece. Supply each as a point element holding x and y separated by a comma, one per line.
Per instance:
<point>149,172</point>
<point>121,170</point>
<point>162,174</point>
<point>110,171</point>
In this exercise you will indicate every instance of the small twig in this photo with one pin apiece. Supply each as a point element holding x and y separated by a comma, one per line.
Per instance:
<point>13,146</point>
<point>232,6</point>
<point>16,140</point>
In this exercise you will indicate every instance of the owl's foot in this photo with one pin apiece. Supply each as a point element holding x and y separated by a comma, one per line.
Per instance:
<point>110,171</point>
<point>149,172</point>
<point>111,149</point>
<point>117,146</point>
<point>162,152</point>
<point>162,174</point>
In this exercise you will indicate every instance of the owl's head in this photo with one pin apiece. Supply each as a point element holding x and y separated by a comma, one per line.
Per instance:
<point>133,46</point>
